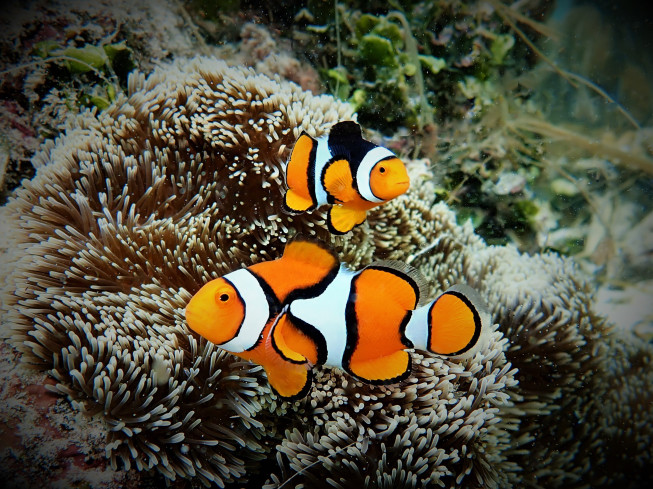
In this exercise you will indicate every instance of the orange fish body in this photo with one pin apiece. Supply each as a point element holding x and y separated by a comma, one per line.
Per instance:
<point>344,170</point>
<point>305,309</point>
<point>355,324</point>
<point>364,321</point>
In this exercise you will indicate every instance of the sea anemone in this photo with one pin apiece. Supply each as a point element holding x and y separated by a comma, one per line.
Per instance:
<point>449,422</point>
<point>179,182</point>
<point>131,211</point>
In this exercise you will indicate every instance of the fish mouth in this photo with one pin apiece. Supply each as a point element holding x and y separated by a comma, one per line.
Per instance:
<point>403,185</point>
<point>191,318</point>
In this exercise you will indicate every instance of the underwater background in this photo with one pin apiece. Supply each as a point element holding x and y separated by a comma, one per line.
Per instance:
<point>142,153</point>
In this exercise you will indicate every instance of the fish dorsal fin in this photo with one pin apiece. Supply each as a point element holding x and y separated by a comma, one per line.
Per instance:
<point>346,141</point>
<point>345,130</point>
<point>414,275</point>
<point>304,269</point>
<point>338,181</point>
<point>311,251</point>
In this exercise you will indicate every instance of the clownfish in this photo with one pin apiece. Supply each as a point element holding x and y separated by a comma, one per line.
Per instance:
<point>307,309</point>
<point>342,169</point>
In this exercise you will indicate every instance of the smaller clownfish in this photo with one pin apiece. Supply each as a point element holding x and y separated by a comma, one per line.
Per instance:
<point>306,309</point>
<point>344,170</point>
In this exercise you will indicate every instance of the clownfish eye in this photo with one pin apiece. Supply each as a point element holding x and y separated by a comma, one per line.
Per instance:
<point>223,297</point>
<point>382,169</point>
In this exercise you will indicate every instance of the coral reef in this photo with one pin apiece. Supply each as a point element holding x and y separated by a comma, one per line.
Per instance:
<point>445,71</point>
<point>270,56</point>
<point>538,138</point>
<point>154,28</point>
<point>599,436</point>
<point>179,181</point>
<point>58,72</point>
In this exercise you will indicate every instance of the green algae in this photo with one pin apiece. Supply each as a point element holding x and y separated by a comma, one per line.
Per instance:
<point>108,65</point>
<point>411,59</point>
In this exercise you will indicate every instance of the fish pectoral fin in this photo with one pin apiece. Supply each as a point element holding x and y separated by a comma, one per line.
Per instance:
<point>280,330</point>
<point>338,181</point>
<point>293,203</point>
<point>290,381</point>
<point>289,377</point>
<point>383,370</point>
<point>341,219</point>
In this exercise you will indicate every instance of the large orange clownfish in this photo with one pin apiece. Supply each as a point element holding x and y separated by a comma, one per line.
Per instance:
<point>317,312</point>
<point>344,170</point>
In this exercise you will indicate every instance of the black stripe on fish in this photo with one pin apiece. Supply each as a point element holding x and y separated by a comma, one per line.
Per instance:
<point>274,305</point>
<point>316,289</point>
<point>351,323</point>
<point>313,334</point>
<point>310,177</point>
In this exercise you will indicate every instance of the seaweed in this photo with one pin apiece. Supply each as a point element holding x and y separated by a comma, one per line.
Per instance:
<point>108,64</point>
<point>422,50</point>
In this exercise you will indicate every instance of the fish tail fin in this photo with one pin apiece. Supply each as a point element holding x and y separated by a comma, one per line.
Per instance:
<point>300,175</point>
<point>451,325</point>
